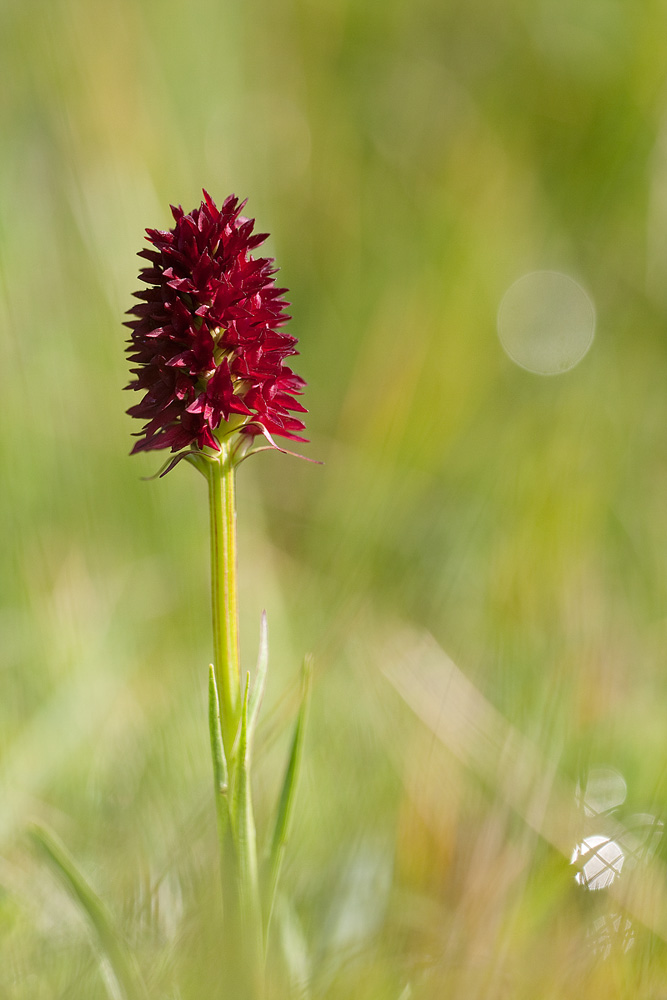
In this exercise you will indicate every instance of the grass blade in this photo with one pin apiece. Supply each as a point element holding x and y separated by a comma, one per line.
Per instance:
<point>220,775</point>
<point>220,771</point>
<point>288,794</point>
<point>294,948</point>
<point>245,837</point>
<point>119,962</point>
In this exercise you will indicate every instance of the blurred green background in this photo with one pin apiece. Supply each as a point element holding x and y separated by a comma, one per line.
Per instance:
<point>411,161</point>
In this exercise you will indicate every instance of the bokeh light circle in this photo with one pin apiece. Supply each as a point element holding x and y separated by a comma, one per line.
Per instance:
<point>601,860</point>
<point>546,322</point>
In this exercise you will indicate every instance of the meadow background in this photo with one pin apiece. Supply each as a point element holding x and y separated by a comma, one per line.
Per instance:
<point>410,160</point>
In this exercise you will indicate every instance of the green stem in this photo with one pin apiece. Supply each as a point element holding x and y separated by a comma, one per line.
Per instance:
<point>222,506</point>
<point>230,742</point>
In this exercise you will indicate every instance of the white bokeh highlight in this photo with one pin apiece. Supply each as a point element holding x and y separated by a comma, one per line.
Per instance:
<point>546,322</point>
<point>600,860</point>
<point>605,789</point>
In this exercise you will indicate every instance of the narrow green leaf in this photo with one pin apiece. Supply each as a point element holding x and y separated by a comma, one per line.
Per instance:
<point>199,462</point>
<point>288,794</point>
<point>215,729</point>
<point>119,961</point>
<point>260,676</point>
<point>220,775</point>
<point>294,948</point>
<point>244,831</point>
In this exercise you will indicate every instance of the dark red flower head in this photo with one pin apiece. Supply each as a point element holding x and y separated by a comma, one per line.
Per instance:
<point>206,337</point>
